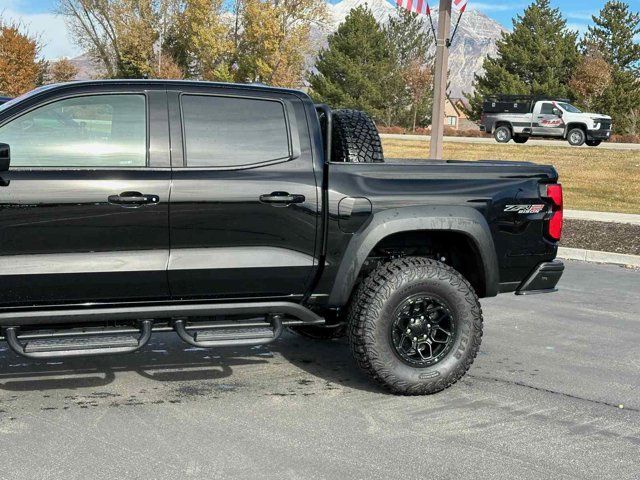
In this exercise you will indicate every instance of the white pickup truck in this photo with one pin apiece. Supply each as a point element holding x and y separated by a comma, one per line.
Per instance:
<point>518,118</point>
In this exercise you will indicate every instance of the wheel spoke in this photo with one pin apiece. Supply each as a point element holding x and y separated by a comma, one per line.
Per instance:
<point>416,335</point>
<point>426,345</point>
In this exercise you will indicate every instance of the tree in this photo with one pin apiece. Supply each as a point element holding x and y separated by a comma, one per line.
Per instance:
<point>418,78</point>
<point>21,68</point>
<point>537,58</point>
<point>167,68</point>
<point>118,34</point>
<point>614,34</point>
<point>200,40</point>
<point>592,76</point>
<point>412,90</point>
<point>275,40</point>
<point>61,71</point>
<point>357,66</point>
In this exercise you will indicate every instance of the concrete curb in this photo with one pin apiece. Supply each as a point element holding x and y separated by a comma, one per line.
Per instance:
<point>598,257</point>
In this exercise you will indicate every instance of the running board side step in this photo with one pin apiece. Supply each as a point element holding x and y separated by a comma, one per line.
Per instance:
<point>79,315</point>
<point>69,342</point>
<point>241,336</point>
<point>79,346</point>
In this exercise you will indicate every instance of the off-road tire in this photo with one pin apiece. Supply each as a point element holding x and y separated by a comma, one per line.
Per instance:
<point>317,332</point>
<point>371,316</point>
<point>593,143</point>
<point>502,134</point>
<point>355,138</point>
<point>576,137</point>
<point>520,139</point>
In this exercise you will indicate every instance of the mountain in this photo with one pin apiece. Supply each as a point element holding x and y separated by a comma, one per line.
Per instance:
<point>381,10</point>
<point>474,41</point>
<point>87,68</point>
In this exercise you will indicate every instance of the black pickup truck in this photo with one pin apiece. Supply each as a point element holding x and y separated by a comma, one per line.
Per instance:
<point>227,213</point>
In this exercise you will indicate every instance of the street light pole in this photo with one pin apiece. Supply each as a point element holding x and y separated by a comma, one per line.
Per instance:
<point>440,81</point>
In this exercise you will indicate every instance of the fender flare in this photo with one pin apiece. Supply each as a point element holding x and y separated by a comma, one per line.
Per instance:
<point>465,220</point>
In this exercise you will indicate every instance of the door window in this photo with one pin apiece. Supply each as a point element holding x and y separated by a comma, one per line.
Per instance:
<point>232,132</point>
<point>547,109</point>
<point>88,131</point>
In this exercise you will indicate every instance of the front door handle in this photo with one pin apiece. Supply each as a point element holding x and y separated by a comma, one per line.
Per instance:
<point>282,198</point>
<point>133,199</point>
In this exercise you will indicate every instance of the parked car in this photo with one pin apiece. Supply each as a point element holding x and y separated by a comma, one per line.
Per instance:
<point>519,118</point>
<point>226,213</point>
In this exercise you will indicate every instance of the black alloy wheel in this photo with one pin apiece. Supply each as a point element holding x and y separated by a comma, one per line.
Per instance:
<point>424,331</point>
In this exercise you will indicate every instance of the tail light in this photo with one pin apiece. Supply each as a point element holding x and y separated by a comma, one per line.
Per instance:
<point>554,227</point>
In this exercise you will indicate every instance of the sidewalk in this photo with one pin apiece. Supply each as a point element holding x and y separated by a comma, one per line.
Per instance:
<point>628,218</point>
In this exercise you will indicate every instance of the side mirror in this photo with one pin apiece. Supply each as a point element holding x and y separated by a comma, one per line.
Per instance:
<point>557,112</point>
<point>5,157</point>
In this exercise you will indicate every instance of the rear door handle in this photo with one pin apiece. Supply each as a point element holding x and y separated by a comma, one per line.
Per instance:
<point>282,198</point>
<point>133,199</point>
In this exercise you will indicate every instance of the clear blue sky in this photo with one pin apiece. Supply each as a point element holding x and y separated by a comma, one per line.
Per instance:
<point>39,17</point>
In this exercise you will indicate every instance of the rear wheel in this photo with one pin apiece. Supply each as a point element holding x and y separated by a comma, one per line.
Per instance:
<point>593,143</point>
<point>520,139</point>
<point>502,134</point>
<point>355,138</point>
<point>576,137</point>
<point>415,326</point>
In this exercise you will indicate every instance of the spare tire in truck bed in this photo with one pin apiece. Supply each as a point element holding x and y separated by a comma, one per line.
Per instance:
<point>355,138</point>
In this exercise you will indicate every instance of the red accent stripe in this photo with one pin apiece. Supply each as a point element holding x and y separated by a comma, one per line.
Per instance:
<point>410,5</point>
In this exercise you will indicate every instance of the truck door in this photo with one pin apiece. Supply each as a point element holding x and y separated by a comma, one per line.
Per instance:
<point>547,121</point>
<point>84,205</point>
<point>244,202</point>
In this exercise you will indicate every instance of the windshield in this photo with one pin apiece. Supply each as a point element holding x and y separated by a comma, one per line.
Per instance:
<point>569,108</point>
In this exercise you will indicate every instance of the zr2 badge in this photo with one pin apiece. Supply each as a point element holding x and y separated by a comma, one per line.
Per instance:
<point>524,209</point>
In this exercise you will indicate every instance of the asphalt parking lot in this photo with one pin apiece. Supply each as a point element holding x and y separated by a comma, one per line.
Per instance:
<point>554,393</point>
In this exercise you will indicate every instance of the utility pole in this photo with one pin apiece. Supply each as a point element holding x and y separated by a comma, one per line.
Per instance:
<point>440,81</point>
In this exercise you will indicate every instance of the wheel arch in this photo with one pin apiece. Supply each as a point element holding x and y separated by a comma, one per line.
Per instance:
<point>502,123</point>
<point>570,126</point>
<point>465,221</point>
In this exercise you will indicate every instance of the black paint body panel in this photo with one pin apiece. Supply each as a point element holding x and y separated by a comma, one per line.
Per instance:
<point>211,237</point>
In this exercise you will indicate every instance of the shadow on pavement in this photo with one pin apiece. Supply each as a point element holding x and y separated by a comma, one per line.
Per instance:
<point>167,359</point>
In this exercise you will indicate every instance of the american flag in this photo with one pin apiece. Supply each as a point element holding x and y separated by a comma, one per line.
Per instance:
<point>422,6</point>
<point>416,6</point>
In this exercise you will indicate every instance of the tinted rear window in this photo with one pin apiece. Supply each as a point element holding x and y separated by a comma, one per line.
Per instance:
<point>232,131</point>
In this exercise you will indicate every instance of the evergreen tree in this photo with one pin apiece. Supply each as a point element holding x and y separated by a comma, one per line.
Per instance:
<point>614,35</point>
<point>536,58</point>
<point>356,69</point>
<point>413,89</point>
<point>407,34</point>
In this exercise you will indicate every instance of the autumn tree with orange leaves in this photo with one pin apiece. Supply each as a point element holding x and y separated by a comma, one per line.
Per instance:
<point>21,68</point>
<point>61,71</point>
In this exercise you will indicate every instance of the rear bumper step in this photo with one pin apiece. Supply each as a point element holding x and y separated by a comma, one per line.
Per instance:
<point>543,279</point>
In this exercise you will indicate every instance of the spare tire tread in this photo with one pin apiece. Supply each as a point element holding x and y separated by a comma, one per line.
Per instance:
<point>355,138</point>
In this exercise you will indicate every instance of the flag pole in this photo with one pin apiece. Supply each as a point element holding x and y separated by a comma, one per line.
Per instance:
<point>440,80</point>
